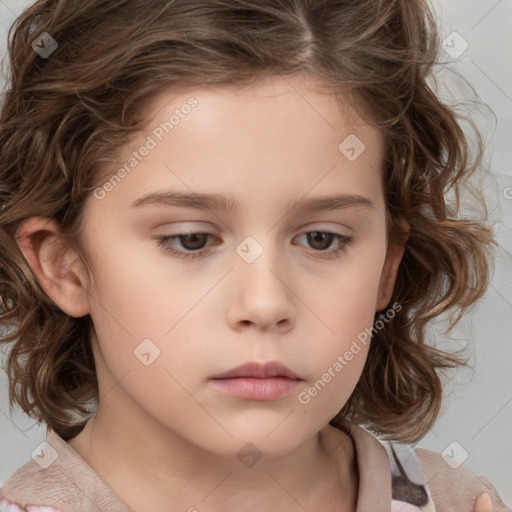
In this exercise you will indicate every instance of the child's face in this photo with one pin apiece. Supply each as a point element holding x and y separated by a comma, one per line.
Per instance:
<point>297,302</point>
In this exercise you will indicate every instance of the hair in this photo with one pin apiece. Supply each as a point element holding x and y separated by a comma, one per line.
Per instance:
<point>64,117</point>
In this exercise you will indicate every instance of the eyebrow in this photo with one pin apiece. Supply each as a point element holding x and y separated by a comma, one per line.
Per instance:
<point>230,204</point>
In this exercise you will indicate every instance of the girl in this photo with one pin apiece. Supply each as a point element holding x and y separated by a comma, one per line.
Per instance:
<point>281,363</point>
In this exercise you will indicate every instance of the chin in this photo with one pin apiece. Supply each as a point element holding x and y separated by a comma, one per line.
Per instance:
<point>257,443</point>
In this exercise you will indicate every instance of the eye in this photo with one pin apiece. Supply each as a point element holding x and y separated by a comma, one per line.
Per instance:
<point>195,242</point>
<point>189,241</point>
<point>322,240</point>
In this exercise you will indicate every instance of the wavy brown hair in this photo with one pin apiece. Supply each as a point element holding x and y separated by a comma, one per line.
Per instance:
<point>64,117</point>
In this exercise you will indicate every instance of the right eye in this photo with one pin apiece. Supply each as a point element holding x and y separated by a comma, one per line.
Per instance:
<point>189,241</point>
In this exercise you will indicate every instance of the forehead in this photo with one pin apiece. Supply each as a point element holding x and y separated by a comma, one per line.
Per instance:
<point>279,136</point>
<point>296,96</point>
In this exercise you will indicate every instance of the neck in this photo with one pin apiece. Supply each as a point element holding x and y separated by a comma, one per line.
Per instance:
<point>144,463</point>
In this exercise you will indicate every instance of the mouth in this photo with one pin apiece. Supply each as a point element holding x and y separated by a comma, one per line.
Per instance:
<point>259,371</point>
<point>256,381</point>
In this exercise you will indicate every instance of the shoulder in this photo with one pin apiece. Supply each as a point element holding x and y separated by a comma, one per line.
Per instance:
<point>60,480</point>
<point>7,506</point>
<point>455,487</point>
<point>27,488</point>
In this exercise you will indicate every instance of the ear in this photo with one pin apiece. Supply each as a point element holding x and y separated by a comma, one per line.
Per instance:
<point>395,251</point>
<point>58,269</point>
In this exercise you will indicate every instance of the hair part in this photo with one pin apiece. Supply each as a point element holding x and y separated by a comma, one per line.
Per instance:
<point>64,118</point>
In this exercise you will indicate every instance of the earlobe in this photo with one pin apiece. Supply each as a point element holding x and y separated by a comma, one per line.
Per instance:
<point>394,256</point>
<point>54,265</point>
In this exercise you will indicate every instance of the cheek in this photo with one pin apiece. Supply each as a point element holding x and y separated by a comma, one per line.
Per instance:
<point>337,364</point>
<point>131,296</point>
<point>346,306</point>
<point>347,299</point>
<point>142,316</point>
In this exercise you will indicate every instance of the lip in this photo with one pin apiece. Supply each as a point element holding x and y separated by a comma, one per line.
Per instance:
<point>259,371</point>
<point>257,381</point>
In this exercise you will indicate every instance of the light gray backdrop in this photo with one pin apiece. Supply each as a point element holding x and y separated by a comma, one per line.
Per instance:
<point>476,425</point>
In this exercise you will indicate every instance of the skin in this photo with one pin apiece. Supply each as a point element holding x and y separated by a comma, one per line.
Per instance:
<point>483,503</point>
<point>162,434</point>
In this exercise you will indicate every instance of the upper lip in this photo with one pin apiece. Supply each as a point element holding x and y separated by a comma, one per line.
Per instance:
<point>259,370</point>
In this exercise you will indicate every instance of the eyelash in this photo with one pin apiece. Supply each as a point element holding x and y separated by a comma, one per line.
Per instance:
<point>163,242</point>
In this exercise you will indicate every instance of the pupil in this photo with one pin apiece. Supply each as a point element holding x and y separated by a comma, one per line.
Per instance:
<point>322,237</point>
<point>194,237</point>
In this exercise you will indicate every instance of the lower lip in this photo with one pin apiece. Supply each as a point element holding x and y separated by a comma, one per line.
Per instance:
<point>250,388</point>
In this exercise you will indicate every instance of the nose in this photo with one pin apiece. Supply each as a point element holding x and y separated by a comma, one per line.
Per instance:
<point>261,295</point>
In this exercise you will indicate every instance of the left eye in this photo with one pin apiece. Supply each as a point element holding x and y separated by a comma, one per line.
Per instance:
<point>196,241</point>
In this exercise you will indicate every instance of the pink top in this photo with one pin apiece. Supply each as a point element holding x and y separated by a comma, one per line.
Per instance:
<point>392,477</point>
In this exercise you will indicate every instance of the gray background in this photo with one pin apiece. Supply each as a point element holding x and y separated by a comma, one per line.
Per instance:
<point>477,412</point>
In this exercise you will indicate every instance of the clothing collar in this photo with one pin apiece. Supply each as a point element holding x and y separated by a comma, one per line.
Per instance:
<point>70,484</point>
<point>374,473</point>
